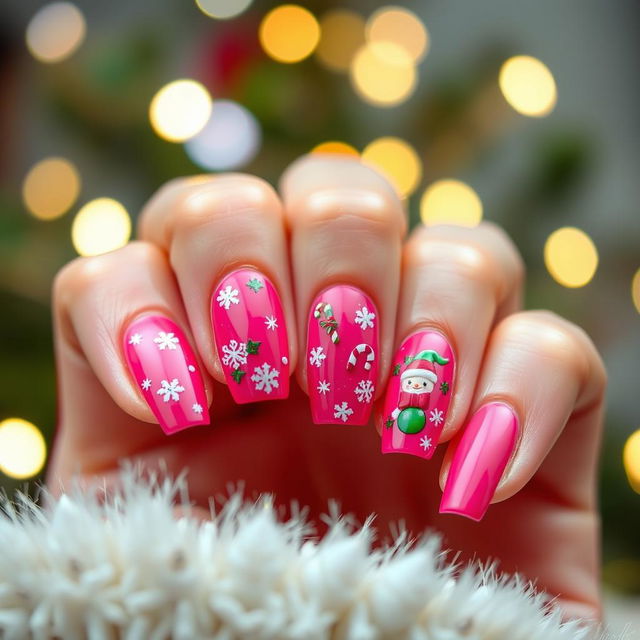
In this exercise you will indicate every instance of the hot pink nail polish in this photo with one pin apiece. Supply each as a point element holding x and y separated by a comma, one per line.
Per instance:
<point>480,457</point>
<point>251,336</point>
<point>342,356</point>
<point>166,372</point>
<point>418,395</point>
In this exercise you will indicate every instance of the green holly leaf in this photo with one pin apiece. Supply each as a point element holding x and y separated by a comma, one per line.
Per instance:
<point>252,347</point>
<point>388,422</point>
<point>255,285</point>
<point>408,359</point>
<point>396,370</point>
<point>238,374</point>
<point>444,387</point>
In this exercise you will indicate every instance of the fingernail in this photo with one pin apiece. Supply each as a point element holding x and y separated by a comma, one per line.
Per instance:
<point>342,356</point>
<point>479,460</point>
<point>166,371</point>
<point>418,395</point>
<point>251,336</point>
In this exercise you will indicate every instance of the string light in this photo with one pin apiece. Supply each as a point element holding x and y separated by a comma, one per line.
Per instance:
<point>397,161</point>
<point>450,202</point>
<point>631,460</point>
<point>23,450</point>
<point>342,35</point>
<point>180,110</point>
<point>50,188</point>
<point>383,74</point>
<point>335,147</point>
<point>635,290</point>
<point>223,9</point>
<point>55,32</point>
<point>289,33</point>
<point>101,225</point>
<point>401,27</point>
<point>571,257</point>
<point>528,86</point>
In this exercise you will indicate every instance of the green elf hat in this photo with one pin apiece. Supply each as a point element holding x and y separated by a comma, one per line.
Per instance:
<point>422,364</point>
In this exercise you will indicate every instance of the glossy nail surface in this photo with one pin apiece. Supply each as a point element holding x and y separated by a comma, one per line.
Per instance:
<point>166,371</point>
<point>479,460</point>
<point>418,395</point>
<point>251,336</point>
<point>342,356</point>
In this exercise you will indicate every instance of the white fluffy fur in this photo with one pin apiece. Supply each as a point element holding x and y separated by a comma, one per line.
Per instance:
<point>126,567</point>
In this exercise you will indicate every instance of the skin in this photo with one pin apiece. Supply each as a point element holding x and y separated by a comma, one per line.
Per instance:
<point>336,221</point>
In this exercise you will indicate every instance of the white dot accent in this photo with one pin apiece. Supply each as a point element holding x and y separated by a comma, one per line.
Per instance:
<point>191,368</point>
<point>285,360</point>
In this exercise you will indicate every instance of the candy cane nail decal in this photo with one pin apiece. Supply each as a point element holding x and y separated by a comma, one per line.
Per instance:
<point>418,395</point>
<point>251,336</point>
<point>342,356</point>
<point>166,371</point>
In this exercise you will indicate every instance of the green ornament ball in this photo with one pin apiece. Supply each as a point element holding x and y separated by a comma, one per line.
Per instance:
<point>411,420</point>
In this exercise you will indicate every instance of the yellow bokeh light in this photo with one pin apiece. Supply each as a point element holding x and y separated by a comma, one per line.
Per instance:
<point>289,33</point>
<point>400,26</point>
<point>23,450</point>
<point>571,257</point>
<point>342,35</point>
<point>635,290</point>
<point>223,9</point>
<point>180,110</point>
<point>397,161</point>
<point>631,460</point>
<point>450,202</point>
<point>50,188</point>
<point>528,86</point>
<point>55,32</point>
<point>383,74</point>
<point>335,147</point>
<point>101,225</point>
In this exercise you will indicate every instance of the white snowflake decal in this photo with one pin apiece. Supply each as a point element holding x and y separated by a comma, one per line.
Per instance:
<point>235,354</point>
<point>227,297</point>
<point>166,341</point>
<point>425,442</point>
<point>136,338</point>
<point>170,390</point>
<point>364,318</point>
<point>271,322</point>
<point>265,378</point>
<point>364,391</point>
<point>342,411</point>
<point>146,384</point>
<point>323,387</point>
<point>317,356</point>
<point>436,417</point>
<point>197,408</point>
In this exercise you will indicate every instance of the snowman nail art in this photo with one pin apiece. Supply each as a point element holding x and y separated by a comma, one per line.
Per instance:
<point>418,395</point>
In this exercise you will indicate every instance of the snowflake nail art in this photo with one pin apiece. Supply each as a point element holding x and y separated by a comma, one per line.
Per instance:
<point>317,356</point>
<point>436,417</point>
<point>227,297</point>
<point>324,387</point>
<point>364,391</point>
<point>342,411</point>
<point>255,285</point>
<point>166,341</point>
<point>235,354</point>
<point>425,442</point>
<point>271,322</point>
<point>265,378</point>
<point>197,408</point>
<point>364,318</point>
<point>146,384</point>
<point>170,390</point>
<point>136,338</point>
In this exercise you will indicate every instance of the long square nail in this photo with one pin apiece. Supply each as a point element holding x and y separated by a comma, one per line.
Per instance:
<point>342,356</point>
<point>418,395</point>
<point>479,460</point>
<point>166,371</point>
<point>251,336</point>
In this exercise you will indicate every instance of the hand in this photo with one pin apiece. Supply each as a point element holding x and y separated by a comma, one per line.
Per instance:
<point>513,391</point>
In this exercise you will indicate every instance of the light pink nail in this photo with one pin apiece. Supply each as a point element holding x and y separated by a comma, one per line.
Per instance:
<point>479,460</point>
<point>418,395</point>
<point>342,356</point>
<point>251,336</point>
<point>166,372</point>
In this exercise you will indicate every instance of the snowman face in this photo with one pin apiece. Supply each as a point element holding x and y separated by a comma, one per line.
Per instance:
<point>417,384</point>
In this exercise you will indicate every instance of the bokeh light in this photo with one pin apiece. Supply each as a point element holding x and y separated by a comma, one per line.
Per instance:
<point>223,9</point>
<point>180,110</point>
<point>571,257</point>
<point>101,225</point>
<point>55,32</point>
<point>289,33</point>
<point>23,450</point>
<point>528,86</point>
<point>400,26</point>
<point>50,188</point>
<point>450,202</point>
<point>383,74</point>
<point>229,140</point>
<point>631,460</point>
<point>342,35</point>
<point>635,290</point>
<point>397,161</point>
<point>335,147</point>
